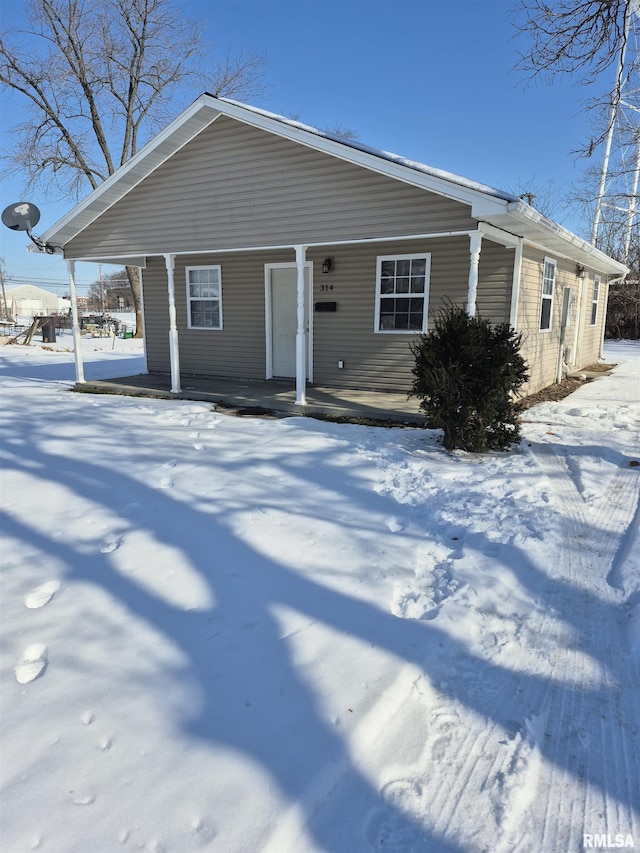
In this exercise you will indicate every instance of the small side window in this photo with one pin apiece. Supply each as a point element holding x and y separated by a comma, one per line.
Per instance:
<point>594,299</point>
<point>548,286</point>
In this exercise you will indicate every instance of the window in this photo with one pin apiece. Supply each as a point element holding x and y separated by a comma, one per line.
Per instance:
<point>548,282</point>
<point>594,299</point>
<point>402,293</point>
<point>204,297</point>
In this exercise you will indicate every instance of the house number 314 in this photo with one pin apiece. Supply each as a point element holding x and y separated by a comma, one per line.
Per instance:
<point>325,287</point>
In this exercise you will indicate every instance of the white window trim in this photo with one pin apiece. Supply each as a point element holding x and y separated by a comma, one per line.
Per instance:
<point>187,270</point>
<point>425,306</point>
<point>595,298</point>
<point>549,296</point>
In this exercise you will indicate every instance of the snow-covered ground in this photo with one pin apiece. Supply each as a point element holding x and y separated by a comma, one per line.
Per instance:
<point>289,636</point>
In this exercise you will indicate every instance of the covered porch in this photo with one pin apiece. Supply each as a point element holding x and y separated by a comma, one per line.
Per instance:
<point>302,301</point>
<point>270,398</point>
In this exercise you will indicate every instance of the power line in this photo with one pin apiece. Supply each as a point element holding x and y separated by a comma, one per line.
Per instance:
<point>19,280</point>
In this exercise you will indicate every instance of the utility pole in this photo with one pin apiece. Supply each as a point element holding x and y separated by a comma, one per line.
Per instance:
<point>633,204</point>
<point>5,310</point>
<point>616,97</point>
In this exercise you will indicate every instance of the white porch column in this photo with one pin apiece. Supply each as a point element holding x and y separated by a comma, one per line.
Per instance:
<point>301,338</point>
<point>475,245</point>
<point>77,351</point>
<point>174,353</point>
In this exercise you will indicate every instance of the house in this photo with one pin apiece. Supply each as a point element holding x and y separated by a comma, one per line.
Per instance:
<point>270,249</point>
<point>27,301</point>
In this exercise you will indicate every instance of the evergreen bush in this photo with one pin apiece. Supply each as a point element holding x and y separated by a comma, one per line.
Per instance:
<point>467,376</point>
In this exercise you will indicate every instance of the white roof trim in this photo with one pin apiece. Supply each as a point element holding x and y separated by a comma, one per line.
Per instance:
<point>488,204</point>
<point>546,234</point>
<point>128,260</point>
<point>177,134</point>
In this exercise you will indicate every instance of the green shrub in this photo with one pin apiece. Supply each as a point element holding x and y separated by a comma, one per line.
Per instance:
<point>467,373</point>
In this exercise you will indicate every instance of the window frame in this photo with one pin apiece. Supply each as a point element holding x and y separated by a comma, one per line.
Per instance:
<point>191,299</point>
<point>547,297</point>
<point>413,256</point>
<point>595,297</point>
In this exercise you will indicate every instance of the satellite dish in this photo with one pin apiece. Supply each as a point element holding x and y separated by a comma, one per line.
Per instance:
<point>22,216</point>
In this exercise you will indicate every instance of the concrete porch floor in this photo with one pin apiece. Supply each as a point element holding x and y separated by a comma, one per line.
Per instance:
<point>275,396</point>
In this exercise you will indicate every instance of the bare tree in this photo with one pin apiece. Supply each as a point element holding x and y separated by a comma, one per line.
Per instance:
<point>96,78</point>
<point>586,38</point>
<point>570,36</point>
<point>4,308</point>
<point>111,292</point>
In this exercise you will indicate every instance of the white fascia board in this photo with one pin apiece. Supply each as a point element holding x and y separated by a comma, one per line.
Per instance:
<point>135,260</point>
<point>200,114</point>
<point>574,246</point>
<point>544,234</point>
<point>126,261</point>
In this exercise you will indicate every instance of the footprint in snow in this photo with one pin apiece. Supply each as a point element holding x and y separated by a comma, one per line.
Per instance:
<point>84,801</point>
<point>397,825</point>
<point>171,463</point>
<point>198,446</point>
<point>110,543</point>
<point>395,523</point>
<point>166,483</point>
<point>32,663</point>
<point>130,510</point>
<point>41,595</point>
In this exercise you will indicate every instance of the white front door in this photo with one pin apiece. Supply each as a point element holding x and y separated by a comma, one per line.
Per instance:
<point>282,303</point>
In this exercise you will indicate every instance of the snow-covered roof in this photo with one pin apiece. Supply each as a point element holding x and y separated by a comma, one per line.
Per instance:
<point>488,204</point>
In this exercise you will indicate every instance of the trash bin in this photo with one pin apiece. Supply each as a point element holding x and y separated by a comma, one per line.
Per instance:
<point>48,327</point>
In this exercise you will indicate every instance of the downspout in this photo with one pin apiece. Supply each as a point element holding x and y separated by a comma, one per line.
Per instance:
<point>301,342</point>
<point>77,340</point>
<point>515,287</point>
<point>174,352</point>
<point>475,245</point>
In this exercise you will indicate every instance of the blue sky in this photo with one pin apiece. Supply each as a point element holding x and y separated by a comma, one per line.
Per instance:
<point>426,79</point>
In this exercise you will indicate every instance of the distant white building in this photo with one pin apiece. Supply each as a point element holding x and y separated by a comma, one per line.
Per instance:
<point>27,300</point>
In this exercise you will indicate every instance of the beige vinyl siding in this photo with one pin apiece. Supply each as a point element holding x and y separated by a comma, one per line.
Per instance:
<point>384,361</point>
<point>156,315</point>
<point>540,349</point>
<point>236,350</point>
<point>235,186</point>
<point>589,352</point>
<point>371,360</point>
<point>495,278</point>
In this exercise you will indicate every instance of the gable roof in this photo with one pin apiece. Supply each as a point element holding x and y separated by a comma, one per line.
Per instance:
<point>488,204</point>
<point>30,291</point>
